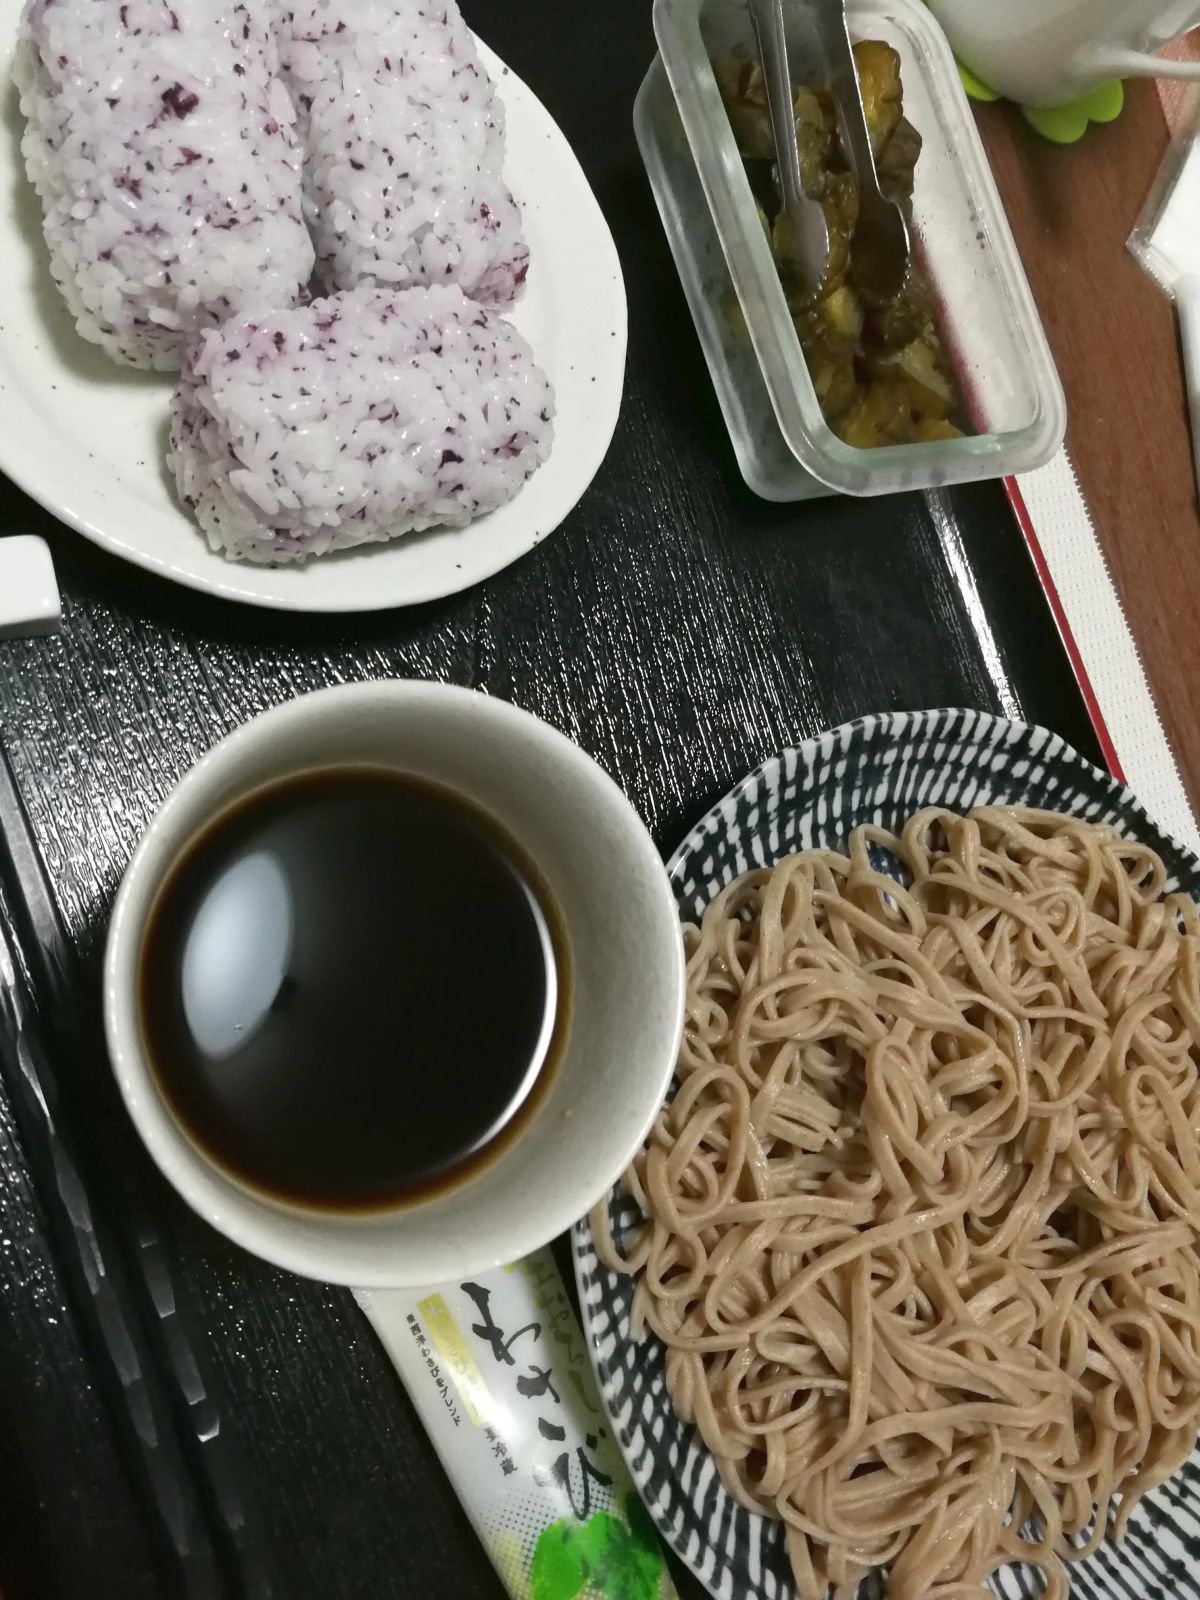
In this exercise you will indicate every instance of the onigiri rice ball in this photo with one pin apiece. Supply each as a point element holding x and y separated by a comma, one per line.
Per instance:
<point>403,139</point>
<point>355,419</point>
<point>162,143</point>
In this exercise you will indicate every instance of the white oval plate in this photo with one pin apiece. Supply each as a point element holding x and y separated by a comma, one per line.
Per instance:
<point>87,439</point>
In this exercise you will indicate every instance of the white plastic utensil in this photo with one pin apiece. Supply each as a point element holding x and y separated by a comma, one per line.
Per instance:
<point>29,600</point>
<point>1166,242</point>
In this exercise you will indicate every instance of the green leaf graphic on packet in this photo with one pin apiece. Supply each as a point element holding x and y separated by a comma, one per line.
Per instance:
<point>602,1557</point>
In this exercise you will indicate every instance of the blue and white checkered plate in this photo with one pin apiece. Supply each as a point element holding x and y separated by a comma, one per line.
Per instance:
<point>878,770</point>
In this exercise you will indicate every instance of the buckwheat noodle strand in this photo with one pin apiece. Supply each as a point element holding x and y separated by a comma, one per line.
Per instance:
<point>922,1212</point>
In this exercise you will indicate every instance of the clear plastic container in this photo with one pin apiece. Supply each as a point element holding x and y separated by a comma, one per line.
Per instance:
<point>989,324</point>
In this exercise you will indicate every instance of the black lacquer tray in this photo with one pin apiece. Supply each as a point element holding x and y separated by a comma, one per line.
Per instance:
<point>177,1419</point>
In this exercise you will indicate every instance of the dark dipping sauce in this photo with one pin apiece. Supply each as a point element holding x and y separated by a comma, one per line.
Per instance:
<point>354,990</point>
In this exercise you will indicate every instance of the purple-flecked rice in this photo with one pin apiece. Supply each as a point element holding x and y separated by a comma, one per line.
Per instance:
<point>162,143</point>
<point>404,147</point>
<point>366,415</point>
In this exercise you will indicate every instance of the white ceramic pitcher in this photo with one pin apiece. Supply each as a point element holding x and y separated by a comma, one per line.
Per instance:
<point>1050,52</point>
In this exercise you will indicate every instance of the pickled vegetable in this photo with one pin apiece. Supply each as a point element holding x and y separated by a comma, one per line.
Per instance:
<point>896,163</point>
<point>879,372</point>
<point>878,68</point>
<point>829,333</point>
<point>745,97</point>
<point>909,316</point>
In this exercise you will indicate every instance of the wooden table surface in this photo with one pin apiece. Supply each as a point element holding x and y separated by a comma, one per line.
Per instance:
<point>1114,336</point>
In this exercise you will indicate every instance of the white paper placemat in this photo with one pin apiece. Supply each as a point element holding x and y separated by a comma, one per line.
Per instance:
<point>1074,572</point>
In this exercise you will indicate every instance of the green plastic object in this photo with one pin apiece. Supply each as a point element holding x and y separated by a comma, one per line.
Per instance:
<point>1066,124</point>
<point>1061,124</point>
<point>975,87</point>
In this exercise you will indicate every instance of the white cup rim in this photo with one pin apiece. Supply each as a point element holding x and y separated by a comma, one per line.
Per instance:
<point>354,1249</point>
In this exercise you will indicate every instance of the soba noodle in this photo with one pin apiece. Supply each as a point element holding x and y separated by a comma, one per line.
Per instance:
<point>923,1209</point>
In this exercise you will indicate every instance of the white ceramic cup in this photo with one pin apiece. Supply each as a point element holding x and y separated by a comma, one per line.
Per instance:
<point>627,979</point>
<point>1050,52</point>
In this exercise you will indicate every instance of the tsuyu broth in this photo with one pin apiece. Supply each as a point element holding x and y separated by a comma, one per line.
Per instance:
<point>353,989</point>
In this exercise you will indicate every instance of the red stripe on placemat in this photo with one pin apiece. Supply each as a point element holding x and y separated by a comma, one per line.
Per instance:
<point>1025,522</point>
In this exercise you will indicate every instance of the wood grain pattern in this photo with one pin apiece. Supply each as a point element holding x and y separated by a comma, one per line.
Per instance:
<point>678,628</point>
<point>1114,337</point>
<point>52,1414</point>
